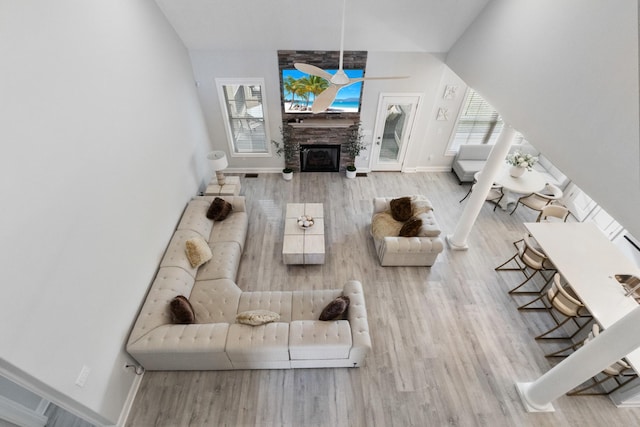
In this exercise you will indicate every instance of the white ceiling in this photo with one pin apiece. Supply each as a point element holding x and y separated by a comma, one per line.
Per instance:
<point>372,25</point>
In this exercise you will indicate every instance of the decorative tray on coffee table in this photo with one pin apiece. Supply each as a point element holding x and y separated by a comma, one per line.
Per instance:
<point>305,221</point>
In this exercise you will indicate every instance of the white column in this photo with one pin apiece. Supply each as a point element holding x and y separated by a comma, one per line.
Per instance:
<point>611,345</point>
<point>495,162</point>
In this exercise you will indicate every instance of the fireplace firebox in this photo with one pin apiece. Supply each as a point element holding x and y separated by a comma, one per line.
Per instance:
<point>319,158</point>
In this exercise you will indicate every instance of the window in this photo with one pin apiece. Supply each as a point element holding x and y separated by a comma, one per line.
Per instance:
<point>242,102</point>
<point>478,123</point>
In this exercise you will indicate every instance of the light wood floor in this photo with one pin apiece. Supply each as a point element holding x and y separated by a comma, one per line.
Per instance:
<point>448,342</point>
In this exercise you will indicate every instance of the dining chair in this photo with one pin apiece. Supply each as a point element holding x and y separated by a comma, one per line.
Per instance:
<point>550,213</point>
<point>530,261</point>
<point>539,200</point>
<point>475,179</point>
<point>553,212</point>
<point>562,299</point>
<point>495,194</point>
<point>620,371</point>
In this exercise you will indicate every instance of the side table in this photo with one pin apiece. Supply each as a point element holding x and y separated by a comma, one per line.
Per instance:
<point>231,187</point>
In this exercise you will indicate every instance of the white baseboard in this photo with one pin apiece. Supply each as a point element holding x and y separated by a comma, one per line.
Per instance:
<point>427,169</point>
<point>433,169</point>
<point>360,170</point>
<point>252,170</point>
<point>128,403</point>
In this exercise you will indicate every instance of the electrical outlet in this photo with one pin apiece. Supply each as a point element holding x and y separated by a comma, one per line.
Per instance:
<point>82,376</point>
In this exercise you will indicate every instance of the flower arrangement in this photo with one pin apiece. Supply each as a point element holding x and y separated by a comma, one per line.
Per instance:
<point>523,160</point>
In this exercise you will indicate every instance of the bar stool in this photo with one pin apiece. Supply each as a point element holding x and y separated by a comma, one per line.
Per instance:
<point>563,300</point>
<point>528,257</point>
<point>549,213</point>
<point>620,372</point>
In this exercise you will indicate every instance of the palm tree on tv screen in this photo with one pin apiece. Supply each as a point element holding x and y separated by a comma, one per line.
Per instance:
<point>303,93</point>
<point>314,85</point>
<point>292,86</point>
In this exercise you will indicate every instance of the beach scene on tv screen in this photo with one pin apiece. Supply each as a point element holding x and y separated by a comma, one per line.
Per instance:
<point>299,91</point>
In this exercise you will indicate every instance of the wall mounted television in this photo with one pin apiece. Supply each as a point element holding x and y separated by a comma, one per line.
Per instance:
<point>298,97</point>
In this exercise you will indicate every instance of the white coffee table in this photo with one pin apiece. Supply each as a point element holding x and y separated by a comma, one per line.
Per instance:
<point>303,246</point>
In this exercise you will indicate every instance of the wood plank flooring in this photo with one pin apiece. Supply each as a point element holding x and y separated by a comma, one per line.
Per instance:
<point>448,342</point>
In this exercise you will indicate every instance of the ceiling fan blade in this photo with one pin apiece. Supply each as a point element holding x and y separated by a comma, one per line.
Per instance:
<point>325,99</point>
<point>361,79</point>
<point>312,70</point>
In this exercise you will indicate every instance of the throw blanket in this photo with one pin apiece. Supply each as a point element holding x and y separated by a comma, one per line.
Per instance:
<point>420,204</point>
<point>383,224</point>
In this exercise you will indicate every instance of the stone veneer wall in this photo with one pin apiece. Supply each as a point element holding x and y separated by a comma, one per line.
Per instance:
<point>325,134</point>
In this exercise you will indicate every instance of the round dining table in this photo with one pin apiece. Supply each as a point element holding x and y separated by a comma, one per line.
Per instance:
<point>531,181</point>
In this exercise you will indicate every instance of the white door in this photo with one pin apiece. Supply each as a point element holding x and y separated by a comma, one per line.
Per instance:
<point>392,130</point>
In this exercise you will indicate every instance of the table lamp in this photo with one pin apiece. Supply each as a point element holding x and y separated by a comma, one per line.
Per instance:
<point>219,162</point>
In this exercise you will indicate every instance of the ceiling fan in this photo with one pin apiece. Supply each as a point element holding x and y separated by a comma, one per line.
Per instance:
<point>338,80</point>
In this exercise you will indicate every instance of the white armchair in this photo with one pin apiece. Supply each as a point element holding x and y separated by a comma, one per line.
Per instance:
<point>394,250</point>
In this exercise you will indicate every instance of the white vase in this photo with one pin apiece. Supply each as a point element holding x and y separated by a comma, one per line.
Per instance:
<point>351,174</point>
<point>516,171</point>
<point>287,176</point>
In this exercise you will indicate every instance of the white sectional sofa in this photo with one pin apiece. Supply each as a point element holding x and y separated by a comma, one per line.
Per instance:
<point>216,341</point>
<point>472,157</point>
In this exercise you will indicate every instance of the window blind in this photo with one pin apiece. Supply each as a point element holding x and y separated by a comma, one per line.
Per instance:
<point>478,123</point>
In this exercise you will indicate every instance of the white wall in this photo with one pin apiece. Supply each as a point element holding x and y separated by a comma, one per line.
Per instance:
<point>434,156</point>
<point>103,143</point>
<point>210,65</point>
<point>426,75</point>
<point>565,74</point>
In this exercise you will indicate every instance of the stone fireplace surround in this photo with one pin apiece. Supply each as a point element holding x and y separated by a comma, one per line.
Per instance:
<point>321,136</point>
<point>322,128</point>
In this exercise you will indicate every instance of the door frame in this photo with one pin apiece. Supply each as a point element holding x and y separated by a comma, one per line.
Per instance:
<point>380,124</point>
